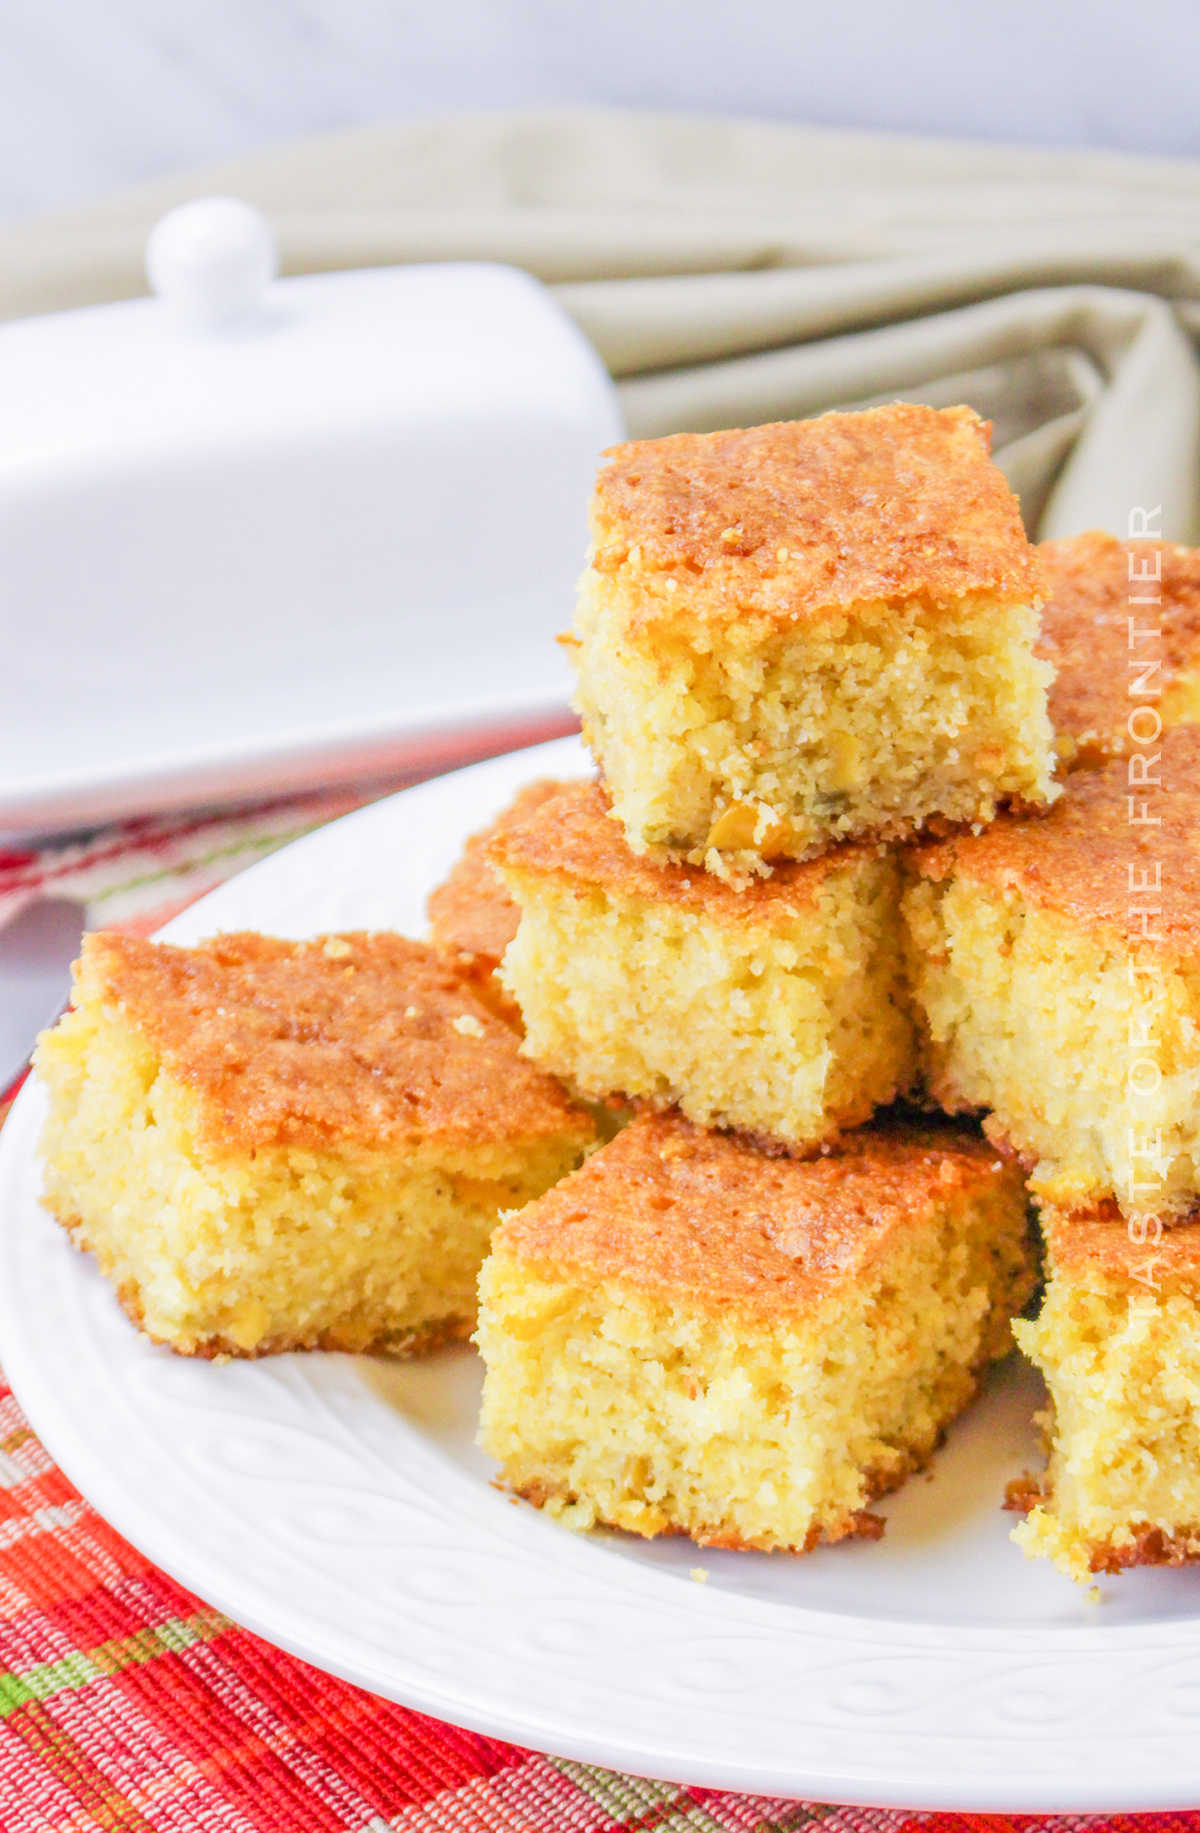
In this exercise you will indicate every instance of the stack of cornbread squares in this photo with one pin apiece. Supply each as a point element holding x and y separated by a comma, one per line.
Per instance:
<point>685,1028</point>
<point>827,866</point>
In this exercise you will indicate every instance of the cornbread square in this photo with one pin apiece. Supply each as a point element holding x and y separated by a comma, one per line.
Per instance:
<point>1095,587</point>
<point>288,1145</point>
<point>805,632</point>
<point>472,918</point>
<point>690,1337</point>
<point>1056,967</point>
<point>779,1010</point>
<point>1118,1341</point>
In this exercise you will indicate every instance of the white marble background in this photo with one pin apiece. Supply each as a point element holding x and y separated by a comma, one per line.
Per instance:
<point>95,94</point>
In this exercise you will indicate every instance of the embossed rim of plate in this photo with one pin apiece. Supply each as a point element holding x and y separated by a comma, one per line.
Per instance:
<point>284,1495</point>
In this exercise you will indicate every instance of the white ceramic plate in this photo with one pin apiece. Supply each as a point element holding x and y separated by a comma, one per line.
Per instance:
<point>339,1507</point>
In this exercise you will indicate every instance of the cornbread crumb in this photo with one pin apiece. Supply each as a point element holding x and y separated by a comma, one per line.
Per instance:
<point>779,1010</point>
<point>264,1155</point>
<point>1095,585</point>
<point>1118,1341</point>
<point>687,1336</point>
<point>805,632</point>
<point>1033,979</point>
<point>471,916</point>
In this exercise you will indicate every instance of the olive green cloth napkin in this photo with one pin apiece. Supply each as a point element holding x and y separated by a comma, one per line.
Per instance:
<point>731,272</point>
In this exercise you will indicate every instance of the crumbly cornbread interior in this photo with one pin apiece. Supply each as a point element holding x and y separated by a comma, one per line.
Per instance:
<point>1031,1018</point>
<point>1118,1341</point>
<point>1022,969</point>
<point>800,633</point>
<point>779,1010</point>
<point>274,1145</point>
<point>1094,584</point>
<point>689,1337</point>
<point>778,744</point>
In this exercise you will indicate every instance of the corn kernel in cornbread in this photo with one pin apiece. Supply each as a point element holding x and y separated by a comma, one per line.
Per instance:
<point>1095,586</point>
<point>1118,1341</point>
<point>805,632</point>
<point>472,918</point>
<point>1056,966</point>
<point>689,1337</point>
<point>779,1010</point>
<point>277,1145</point>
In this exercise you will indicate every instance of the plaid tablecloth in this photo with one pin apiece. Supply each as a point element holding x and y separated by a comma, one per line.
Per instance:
<point>129,1706</point>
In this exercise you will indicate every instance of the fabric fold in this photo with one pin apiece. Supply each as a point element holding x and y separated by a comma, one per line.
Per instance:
<point>1133,442</point>
<point>731,272</point>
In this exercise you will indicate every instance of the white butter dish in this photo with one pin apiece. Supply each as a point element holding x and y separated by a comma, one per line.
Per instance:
<point>257,539</point>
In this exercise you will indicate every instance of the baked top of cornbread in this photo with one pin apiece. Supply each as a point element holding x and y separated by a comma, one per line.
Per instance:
<point>471,910</point>
<point>1098,1246</point>
<point>1085,630</point>
<point>804,517</point>
<point>365,1039</point>
<point>577,838</point>
<point>671,1209</point>
<point>1085,860</point>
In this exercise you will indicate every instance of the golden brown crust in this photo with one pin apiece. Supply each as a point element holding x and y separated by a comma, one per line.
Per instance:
<point>1023,1493</point>
<point>1147,1546</point>
<point>671,1209</point>
<point>479,976</point>
<point>1084,860</point>
<point>471,915</point>
<point>1101,1247</point>
<point>807,516</point>
<point>348,1339</point>
<point>577,839</point>
<point>1085,633</point>
<point>1150,1546</point>
<point>856,1524</point>
<point>363,1038</point>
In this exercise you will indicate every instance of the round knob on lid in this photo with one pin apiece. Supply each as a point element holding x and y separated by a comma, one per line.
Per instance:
<point>212,260</point>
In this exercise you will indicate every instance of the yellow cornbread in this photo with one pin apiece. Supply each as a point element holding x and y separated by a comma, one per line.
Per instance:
<point>276,1145</point>
<point>779,1010</point>
<point>472,919</point>
<point>800,633</point>
<point>1118,1340</point>
<point>690,1337</point>
<point>1096,587</point>
<point>1055,964</point>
